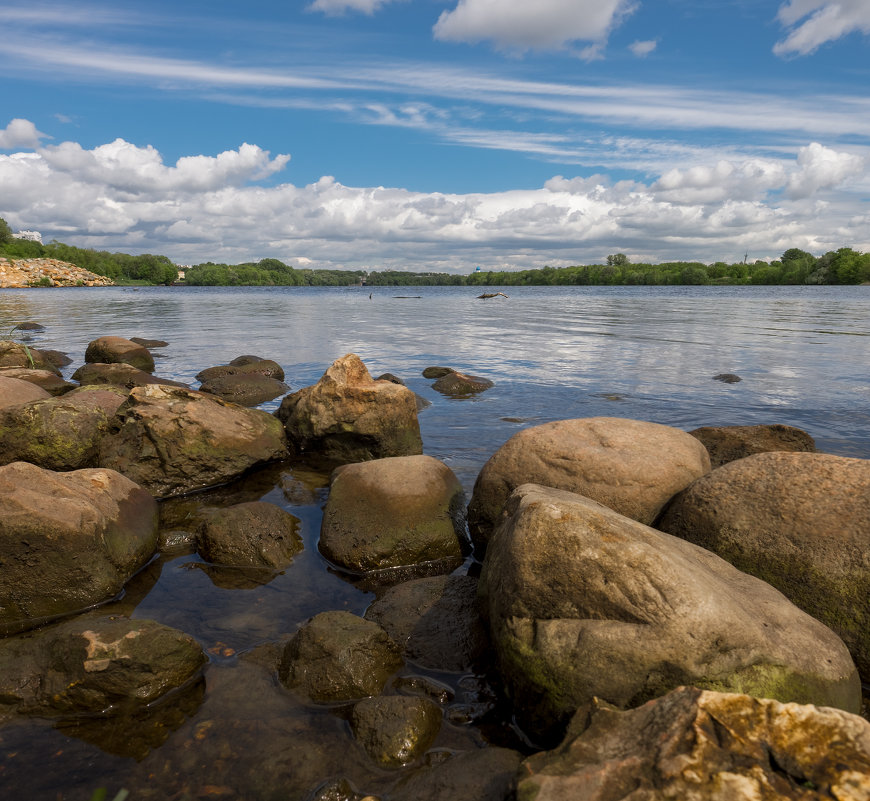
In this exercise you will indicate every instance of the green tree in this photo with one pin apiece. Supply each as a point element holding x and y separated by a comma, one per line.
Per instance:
<point>5,232</point>
<point>617,260</point>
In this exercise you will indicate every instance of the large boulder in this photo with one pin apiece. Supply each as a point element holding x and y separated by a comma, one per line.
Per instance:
<point>173,440</point>
<point>246,390</point>
<point>48,380</point>
<point>110,350</point>
<point>119,374</point>
<point>631,466</point>
<point>337,656</point>
<point>700,745</point>
<point>15,391</point>
<point>61,433</point>
<point>91,665</point>
<point>393,512</point>
<point>729,443</point>
<point>395,729</point>
<point>436,620</point>
<point>243,366</point>
<point>252,534</point>
<point>584,602</point>
<point>349,416</point>
<point>68,540</point>
<point>801,522</point>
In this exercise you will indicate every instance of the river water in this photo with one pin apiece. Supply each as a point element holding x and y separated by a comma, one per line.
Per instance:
<point>649,353</point>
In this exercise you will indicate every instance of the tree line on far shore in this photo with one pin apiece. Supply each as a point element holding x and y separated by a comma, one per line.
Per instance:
<point>842,266</point>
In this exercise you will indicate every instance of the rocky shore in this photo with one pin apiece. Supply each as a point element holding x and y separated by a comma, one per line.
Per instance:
<point>23,273</point>
<point>656,627</point>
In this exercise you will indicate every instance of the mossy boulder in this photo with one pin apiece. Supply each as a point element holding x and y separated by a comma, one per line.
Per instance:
<point>393,512</point>
<point>584,602</point>
<point>801,522</point>
<point>173,440</point>
<point>68,540</point>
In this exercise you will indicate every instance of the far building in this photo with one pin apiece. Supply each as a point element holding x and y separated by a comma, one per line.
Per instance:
<point>30,236</point>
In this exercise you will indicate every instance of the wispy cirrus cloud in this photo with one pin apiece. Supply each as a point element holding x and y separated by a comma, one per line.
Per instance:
<point>813,23</point>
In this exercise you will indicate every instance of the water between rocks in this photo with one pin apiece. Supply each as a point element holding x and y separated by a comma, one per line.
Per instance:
<point>649,353</point>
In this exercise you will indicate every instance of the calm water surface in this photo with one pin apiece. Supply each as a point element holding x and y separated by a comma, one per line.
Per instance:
<point>553,353</point>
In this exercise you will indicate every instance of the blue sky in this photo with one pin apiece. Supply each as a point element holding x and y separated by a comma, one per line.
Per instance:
<point>438,134</point>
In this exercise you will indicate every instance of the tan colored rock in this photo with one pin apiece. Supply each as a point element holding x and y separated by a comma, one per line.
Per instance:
<point>16,354</point>
<point>631,466</point>
<point>393,512</point>
<point>801,522</point>
<point>729,443</point>
<point>697,745</point>
<point>15,391</point>
<point>349,416</point>
<point>172,440</point>
<point>61,433</point>
<point>48,380</point>
<point>68,540</point>
<point>22,273</point>
<point>112,350</point>
<point>584,602</point>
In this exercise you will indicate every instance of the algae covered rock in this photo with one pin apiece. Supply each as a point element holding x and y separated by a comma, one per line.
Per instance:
<point>93,665</point>
<point>253,534</point>
<point>16,354</point>
<point>395,729</point>
<point>59,433</point>
<point>459,384</point>
<point>583,602</point>
<point>801,522</point>
<point>631,466</point>
<point>393,512</point>
<point>68,540</point>
<point>337,656</point>
<point>705,746</point>
<point>108,350</point>
<point>246,390</point>
<point>173,440</point>
<point>349,416</point>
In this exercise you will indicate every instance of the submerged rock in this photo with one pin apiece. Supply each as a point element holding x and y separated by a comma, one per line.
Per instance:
<point>351,417</point>
<point>699,745</point>
<point>800,521</point>
<point>94,665</point>
<point>395,730</point>
<point>459,384</point>
<point>243,366</point>
<point>583,602</point>
<point>436,372</point>
<point>68,540</point>
<point>631,466</point>
<point>393,512</point>
<point>729,443</point>
<point>109,350</point>
<point>337,656</point>
<point>173,440</point>
<point>246,390</point>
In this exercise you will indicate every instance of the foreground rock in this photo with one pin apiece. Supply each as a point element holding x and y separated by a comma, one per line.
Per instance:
<point>14,354</point>
<point>253,534</point>
<point>111,350</point>
<point>631,466</point>
<point>705,746</point>
<point>15,391</point>
<point>173,440</point>
<point>337,656</point>
<point>68,540</point>
<point>119,375</point>
<point>94,665</point>
<point>393,512</point>
<point>347,415</point>
<point>395,730</point>
<point>729,443</point>
<point>583,602</point>
<point>48,380</point>
<point>801,522</point>
<point>62,433</point>
<point>437,621</point>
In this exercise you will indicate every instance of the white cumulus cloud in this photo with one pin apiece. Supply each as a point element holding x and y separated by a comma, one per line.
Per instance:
<point>521,25</point>
<point>341,6</point>
<point>812,23</point>
<point>644,48</point>
<point>19,133</point>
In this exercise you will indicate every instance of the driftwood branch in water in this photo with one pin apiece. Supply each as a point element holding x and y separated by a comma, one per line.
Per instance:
<point>491,295</point>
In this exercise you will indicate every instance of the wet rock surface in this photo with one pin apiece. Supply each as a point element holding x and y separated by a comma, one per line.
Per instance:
<point>459,384</point>
<point>351,417</point>
<point>800,521</point>
<point>631,466</point>
<point>729,443</point>
<point>394,729</point>
<point>582,602</point>
<point>246,390</point>
<point>68,540</point>
<point>700,746</point>
<point>393,512</point>
<point>243,366</point>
